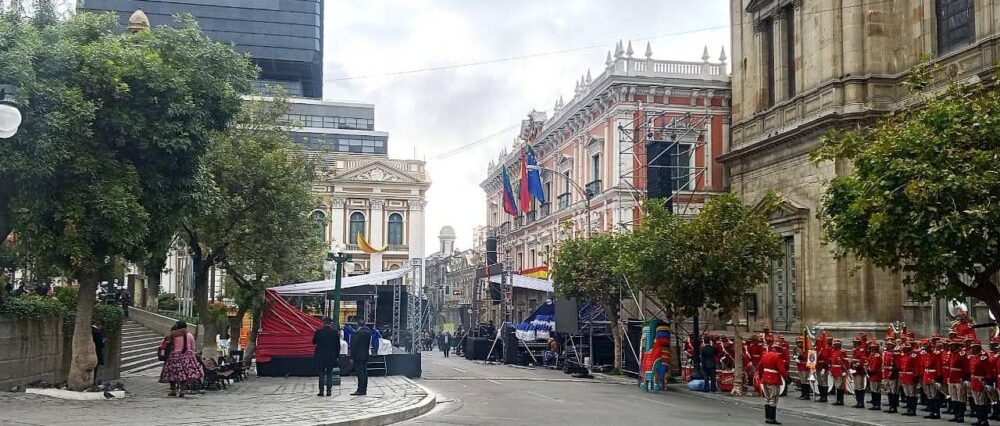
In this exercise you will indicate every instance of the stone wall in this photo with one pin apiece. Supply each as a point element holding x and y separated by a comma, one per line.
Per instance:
<point>160,324</point>
<point>33,350</point>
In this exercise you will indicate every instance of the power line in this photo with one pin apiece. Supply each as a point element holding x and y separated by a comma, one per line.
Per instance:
<point>571,50</point>
<point>474,143</point>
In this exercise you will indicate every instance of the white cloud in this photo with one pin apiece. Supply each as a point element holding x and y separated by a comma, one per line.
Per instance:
<point>438,111</point>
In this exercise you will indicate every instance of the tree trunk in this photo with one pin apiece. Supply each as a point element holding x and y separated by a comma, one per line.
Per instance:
<point>152,291</point>
<point>201,269</point>
<point>616,335</point>
<point>988,293</point>
<point>254,329</point>
<point>235,324</point>
<point>84,360</point>
<point>738,356</point>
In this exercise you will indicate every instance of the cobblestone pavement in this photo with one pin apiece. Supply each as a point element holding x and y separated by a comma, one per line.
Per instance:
<point>257,401</point>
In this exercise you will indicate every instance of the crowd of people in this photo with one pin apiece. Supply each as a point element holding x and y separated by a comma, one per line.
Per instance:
<point>955,373</point>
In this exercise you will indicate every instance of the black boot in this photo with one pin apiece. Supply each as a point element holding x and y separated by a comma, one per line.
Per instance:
<point>951,407</point>
<point>876,401</point>
<point>322,383</point>
<point>996,412</point>
<point>911,406</point>
<point>840,397</point>
<point>935,408</point>
<point>982,412</point>
<point>956,409</point>
<point>822,394</point>
<point>771,412</point>
<point>961,412</point>
<point>893,403</point>
<point>803,391</point>
<point>859,398</point>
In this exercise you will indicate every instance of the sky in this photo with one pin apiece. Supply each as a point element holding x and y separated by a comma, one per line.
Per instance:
<point>375,50</point>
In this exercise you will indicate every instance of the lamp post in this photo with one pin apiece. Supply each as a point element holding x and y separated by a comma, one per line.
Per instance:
<point>336,257</point>
<point>10,112</point>
<point>587,194</point>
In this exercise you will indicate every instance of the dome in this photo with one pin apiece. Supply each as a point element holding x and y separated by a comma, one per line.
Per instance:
<point>447,232</point>
<point>138,21</point>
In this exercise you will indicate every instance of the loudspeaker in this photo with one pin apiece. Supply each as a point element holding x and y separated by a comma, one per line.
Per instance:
<point>567,315</point>
<point>491,251</point>
<point>660,157</point>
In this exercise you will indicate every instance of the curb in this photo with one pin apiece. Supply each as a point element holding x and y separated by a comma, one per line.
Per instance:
<point>424,406</point>
<point>800,413</point>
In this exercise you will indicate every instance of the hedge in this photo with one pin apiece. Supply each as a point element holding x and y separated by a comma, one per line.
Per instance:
<point>35,307</point>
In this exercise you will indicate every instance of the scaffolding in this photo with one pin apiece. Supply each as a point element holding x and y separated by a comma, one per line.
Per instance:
<point>413,304</point>
<point>684,134</point>
<point>397,298</point>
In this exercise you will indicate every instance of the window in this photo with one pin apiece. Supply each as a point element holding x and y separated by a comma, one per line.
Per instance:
<point>548,191</point>
<point>566,182</point>
<point>956,24</point>
<point>681,173</point>
<point>767,38</point>
<point>790,48</point>
<point>320,219</point>
<point>357,227</point>
<point>395,228</point>
<point>595,167</point>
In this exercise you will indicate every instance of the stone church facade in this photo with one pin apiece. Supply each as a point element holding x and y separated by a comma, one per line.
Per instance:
<point>801,68</point>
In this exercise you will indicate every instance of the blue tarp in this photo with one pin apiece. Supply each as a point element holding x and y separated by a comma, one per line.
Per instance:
<point>539,325</point>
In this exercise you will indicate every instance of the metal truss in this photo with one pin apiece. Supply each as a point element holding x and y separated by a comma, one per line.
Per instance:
<point>413,304</point>
<point>397,296</point>
<point>680,129</point>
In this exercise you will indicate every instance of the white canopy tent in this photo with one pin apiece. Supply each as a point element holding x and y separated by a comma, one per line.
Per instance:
<point>522,281</point>
<point>355,281</point>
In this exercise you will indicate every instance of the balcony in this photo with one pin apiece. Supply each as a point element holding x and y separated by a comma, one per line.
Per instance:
<point>543,210</point>
<point>529,217</point>
<point>563,200</point>
<point>353,247</point>
<point>594,188</point>
<point>505,228</point>
<point>398,247</point>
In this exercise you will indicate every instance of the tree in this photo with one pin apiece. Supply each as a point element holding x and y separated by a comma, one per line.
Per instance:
<point>923,193</point>
<point>707,262</point>
<point>254,220</point>
<point>588,268</point>
<point>114,125</point>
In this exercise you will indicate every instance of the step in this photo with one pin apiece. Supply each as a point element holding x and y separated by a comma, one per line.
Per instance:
<point>141,366</point>
<point>133,353</point>
<point>142,340</point>
<point>138,356</point>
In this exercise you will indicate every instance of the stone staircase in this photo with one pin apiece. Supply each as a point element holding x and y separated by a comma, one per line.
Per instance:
<point>139,345</point>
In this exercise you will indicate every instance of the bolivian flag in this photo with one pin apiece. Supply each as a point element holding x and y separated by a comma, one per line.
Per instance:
<point>541,272</point>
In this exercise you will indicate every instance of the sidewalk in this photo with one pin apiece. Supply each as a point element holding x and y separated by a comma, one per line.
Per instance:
<point>827,412</point>
<point>259,400</point>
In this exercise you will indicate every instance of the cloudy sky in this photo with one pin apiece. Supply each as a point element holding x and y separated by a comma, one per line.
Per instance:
<point>375,49</point>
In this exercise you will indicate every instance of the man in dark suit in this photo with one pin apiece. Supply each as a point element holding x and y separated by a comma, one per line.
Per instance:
<point>361,345</point>
<point>326,354</point>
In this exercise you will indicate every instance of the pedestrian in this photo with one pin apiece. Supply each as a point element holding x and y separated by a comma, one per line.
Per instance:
<point>360,349</point>
<point>326,354</point>
<point>444,342</point>
<point>125,299</point>
<point>97,334</point>
<point>772,377</point>
<point>708,364</point>
<point>433,338</point>
<point>181,366</point>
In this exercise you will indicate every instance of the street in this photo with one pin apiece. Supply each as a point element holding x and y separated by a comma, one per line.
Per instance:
<point>470,393</point>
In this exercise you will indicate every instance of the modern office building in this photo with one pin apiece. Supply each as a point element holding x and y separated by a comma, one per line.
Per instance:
<point>283,37</point>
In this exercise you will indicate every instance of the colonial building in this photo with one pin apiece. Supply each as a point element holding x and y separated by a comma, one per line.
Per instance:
<point>592,151</point>
<point>804,67</point>
<point>450,274</point>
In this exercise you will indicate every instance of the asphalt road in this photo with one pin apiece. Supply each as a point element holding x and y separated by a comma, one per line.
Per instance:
<point>470,393</point>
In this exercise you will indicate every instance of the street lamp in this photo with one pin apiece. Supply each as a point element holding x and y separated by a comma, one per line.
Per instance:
<point>336,257</point>
<point>10,113</point>
<point>587,193</point>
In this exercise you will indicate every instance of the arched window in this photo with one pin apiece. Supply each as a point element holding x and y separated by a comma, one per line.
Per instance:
<point>319,218</point>
<point>357,227</point>
<point>395,228</point>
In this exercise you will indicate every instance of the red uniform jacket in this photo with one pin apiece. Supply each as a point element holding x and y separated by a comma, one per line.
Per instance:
<point>756,351</point>
<point>837,363</point>
<point>772,369</point>
<point>930,366</point>
<point>859,358</point>
<point>982,371</point>
<point>801,360</point>
<point>889,366</point>
<point>907,366</point>
<point>875,368</point>
<point>958,366</point>
<point>823,358</point>
<point>964,329</point>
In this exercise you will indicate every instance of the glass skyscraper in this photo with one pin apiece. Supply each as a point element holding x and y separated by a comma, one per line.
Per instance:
<point>284,37</point>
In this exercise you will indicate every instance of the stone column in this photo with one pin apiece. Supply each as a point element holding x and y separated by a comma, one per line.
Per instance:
<point>415,229</point>
<point>375,237</point>
<point>853,59</point>
<point>338,231</point>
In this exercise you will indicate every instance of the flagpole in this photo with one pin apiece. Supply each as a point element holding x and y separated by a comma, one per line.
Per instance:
<point>587,194</point>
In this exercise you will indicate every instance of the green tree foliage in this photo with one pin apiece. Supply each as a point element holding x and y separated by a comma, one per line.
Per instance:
<point>114,125</point>
<point>589,269</point>
<point>254,220</point>
<point>924,192</point>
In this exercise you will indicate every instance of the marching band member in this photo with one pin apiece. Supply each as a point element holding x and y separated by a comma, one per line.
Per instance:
<point>859,358</point>
<point>982,374</point>
<point>838,369</point>
<point>801,365</point>
<point>958,366</point>
<point>874,369</point>
<point>823,357</point>
<point>772,376</point>
<point>890,375</point>
<point>907,366</point>
<point>930,378</point>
